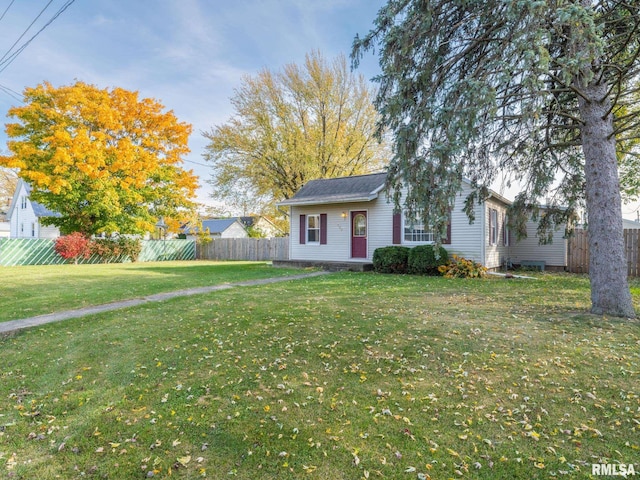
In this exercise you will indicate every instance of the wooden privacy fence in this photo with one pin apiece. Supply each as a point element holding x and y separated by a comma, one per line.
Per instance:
<point>256,249</point>
<point>578,256</point>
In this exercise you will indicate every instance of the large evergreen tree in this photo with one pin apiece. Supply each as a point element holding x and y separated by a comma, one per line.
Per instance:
<point>544,90</point>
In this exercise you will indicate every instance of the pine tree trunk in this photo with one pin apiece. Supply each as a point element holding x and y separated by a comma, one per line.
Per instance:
<point>610,293</point>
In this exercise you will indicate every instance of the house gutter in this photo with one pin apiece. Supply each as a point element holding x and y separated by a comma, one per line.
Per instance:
<point>327,201</point>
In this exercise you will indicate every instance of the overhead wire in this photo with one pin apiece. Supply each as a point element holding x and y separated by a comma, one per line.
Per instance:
<point>5,63</point>
<point>12,93</point>
<point>25,31</point>
<point>6,10</point>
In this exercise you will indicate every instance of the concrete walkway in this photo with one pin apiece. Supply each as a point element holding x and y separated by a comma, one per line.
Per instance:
<point>15,325</point>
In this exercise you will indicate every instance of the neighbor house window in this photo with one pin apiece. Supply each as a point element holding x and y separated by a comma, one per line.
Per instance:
<point>313,228</point>
<point>415,230</point>
<point>493,226</point>
<point>23,202</point>
<point>33,229</point>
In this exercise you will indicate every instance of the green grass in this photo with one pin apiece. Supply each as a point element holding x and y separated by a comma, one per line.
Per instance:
<point>37,290</point>
<point>346,376</point>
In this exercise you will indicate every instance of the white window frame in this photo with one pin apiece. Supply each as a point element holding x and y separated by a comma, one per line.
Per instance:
<point>316,228</point>
<point>412,230</point>
<point>23,202</point>
<point>493,222</point>
<point>33,229</point>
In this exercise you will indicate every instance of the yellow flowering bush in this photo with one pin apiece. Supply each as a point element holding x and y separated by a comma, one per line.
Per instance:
<point>459,267</point>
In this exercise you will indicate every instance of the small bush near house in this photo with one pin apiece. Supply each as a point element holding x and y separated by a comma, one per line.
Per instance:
<point>116,249</point>
<point>391,259</point>
<point>422,260</point>
<point>73,247</point>
<point>459,267</point>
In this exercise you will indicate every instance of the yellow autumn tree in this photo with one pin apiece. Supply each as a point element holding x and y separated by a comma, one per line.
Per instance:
<point>309,121</point>
<point>105,160</point>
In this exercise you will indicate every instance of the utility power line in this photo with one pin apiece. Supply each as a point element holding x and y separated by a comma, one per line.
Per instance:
<point>5,61</point>
<point>10,55</point>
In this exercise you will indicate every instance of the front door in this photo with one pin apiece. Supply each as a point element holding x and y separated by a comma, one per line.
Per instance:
<point>359,234</point>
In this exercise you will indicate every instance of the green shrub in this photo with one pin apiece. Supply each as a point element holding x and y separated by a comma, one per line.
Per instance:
<point>422,260</point>
<point>459,267</point>
<point>390,259</point>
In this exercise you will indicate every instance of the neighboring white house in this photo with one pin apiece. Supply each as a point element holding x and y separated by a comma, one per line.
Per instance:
<point>346,219</point>
<point>24,216</point>
<point>263,225</point>
<point>220,228</point>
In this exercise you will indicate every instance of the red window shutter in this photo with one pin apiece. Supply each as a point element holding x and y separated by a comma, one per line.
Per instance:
<point>323,229</point>
<point>303,229</point>
<point>447,241</point>
<point>397,228</point>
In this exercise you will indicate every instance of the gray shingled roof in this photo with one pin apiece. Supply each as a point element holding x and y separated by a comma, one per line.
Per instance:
<point>215,226</point>
<point>360,188</point>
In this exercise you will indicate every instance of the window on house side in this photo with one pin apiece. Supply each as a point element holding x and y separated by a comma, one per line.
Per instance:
<point>33,229</point>
<point>493,226</point>
<point>23,202</point>
<point>313,228</point>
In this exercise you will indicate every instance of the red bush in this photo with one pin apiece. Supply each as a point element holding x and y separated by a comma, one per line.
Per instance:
<point>72,247</point>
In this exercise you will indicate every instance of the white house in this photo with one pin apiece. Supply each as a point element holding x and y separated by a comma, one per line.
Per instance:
<point>263,225</point>
<point>346,219</point>
<point>25,214</point>
<point>220,228</point>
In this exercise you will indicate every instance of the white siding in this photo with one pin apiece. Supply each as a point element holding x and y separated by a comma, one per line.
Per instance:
<point>47,231</point>
<point>466,239</point>
<point>338,247</point>
<point>22,217</point>
<point>470,241</point>
<point>23,222</point>
<point>235,230</point>
<point>554,254</point>
<point>495,254</point>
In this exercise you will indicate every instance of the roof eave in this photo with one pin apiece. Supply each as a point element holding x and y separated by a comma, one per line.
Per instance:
<point>325,201</point>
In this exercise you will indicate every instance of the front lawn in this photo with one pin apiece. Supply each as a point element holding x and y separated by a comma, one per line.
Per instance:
<point>35,290</point>
<point>346,376</point>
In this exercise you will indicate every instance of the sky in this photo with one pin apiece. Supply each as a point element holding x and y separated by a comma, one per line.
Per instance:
<point>189,55</point>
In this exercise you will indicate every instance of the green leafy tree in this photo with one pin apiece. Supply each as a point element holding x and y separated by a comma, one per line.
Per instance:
<point>543,90</point>
<point>299,124</point>
<point>105,160</point>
